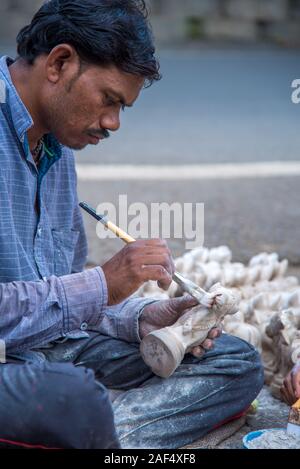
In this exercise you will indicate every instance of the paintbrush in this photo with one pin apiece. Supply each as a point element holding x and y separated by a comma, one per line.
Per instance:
<point>206,299</point>
<point>293,426</point>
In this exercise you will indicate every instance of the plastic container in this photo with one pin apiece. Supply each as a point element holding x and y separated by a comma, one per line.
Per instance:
<point>252,435</point>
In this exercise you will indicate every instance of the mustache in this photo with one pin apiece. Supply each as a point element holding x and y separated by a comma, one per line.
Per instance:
<point>100,133</point>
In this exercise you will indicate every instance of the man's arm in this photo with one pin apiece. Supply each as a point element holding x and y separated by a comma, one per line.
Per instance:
<point>123,321</point>
<point>35,313</point>
<point>81,248</point>
<point>136,317</point>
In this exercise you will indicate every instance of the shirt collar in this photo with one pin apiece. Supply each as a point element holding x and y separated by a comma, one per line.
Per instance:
<point>20,116</point>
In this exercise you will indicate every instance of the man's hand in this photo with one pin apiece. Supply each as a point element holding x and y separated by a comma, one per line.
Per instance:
<point>134,265</point>
<point>290,390</point>
<point>167,312</point>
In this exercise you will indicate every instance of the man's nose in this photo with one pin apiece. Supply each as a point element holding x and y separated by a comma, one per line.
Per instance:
<point>110,121</point>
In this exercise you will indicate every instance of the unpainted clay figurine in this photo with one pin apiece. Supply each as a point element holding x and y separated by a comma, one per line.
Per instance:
<point>163,350</point>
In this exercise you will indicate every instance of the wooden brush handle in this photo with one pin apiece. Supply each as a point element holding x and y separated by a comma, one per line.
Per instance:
<point>119,233</point>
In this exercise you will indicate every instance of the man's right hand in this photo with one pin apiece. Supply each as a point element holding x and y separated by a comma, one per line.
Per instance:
<point>134,265</point>
<point>290,390</point>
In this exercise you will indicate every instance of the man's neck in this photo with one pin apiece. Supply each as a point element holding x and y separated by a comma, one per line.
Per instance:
<point>24,82</point>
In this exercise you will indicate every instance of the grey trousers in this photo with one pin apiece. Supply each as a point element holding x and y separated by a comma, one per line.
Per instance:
<point>152,412</point>
<point>59,397</point>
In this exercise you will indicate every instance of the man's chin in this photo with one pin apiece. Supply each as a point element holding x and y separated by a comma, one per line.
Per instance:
<point>77,147</point>
<point>72,145</point>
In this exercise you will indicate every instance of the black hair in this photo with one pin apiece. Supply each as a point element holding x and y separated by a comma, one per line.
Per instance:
<point>103,32</point>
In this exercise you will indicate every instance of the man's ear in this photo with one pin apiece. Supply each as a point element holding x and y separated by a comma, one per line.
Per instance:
<point>62,62</point>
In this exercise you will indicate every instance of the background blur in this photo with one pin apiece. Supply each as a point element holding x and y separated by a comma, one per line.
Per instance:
<point>177,21</point>
<point>225,98</point>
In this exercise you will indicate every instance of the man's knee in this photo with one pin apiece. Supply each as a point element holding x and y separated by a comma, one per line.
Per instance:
<point>71,409</point>
<point>247,361</point>
<point>234,358</point>
<point>240,365</point>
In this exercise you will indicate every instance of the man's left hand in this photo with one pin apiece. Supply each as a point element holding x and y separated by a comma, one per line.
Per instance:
<point>165,313</point>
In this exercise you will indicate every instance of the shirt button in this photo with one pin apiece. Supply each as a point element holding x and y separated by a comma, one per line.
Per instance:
<point>45,279</point>
<point>84,326</point>
<point>39,232</point>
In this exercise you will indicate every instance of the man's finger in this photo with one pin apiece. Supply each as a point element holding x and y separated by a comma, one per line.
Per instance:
<point>164,285</point>
<point>289,387</point>
<point>208,344</point>
<point>158,273</point>
<point>198,351</point>
<point>295,378</point>
<point>287,396</point>
<point>183,303</point>
<point>214,333</point>
<point>284,396</point>
<point>159,259</point>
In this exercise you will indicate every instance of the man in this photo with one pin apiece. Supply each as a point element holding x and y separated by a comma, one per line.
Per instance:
<point>70,334</point>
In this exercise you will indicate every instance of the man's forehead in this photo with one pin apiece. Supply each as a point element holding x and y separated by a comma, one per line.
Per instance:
<point>114,80</point>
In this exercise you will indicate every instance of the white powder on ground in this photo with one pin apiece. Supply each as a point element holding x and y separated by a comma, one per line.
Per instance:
<point>275,439</point>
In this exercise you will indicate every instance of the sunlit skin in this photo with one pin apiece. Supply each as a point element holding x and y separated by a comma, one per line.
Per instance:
<point>74,101</point>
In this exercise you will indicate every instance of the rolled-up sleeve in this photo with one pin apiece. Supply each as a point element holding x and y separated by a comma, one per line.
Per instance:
<point>33,314</point>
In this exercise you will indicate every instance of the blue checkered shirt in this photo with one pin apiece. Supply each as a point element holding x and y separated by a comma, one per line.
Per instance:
<point>45,294</point>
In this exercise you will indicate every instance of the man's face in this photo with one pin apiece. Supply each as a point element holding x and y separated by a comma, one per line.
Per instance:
<point>80,108</point>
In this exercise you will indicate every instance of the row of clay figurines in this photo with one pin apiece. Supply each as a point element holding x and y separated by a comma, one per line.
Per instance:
<point>215,266</point>
<point>283,331</point>
<point>270,322</point>
<point>248,311</point>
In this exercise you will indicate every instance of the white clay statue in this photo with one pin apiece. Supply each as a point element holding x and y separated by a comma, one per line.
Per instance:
<point>163,350</point>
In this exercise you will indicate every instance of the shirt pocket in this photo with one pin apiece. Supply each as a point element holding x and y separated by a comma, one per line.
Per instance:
<point>64,243</point>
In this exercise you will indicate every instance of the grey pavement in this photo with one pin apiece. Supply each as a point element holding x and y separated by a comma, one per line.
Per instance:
<point>248,215</point>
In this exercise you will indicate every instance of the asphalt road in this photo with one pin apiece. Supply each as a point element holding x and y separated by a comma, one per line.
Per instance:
<point>249,216</point>
<point>212,106</point>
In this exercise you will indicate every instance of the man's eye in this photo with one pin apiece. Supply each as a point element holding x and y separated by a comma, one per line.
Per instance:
<point>112,102</point>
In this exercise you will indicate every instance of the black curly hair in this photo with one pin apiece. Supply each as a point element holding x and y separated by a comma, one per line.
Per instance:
<point>103,32</point>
